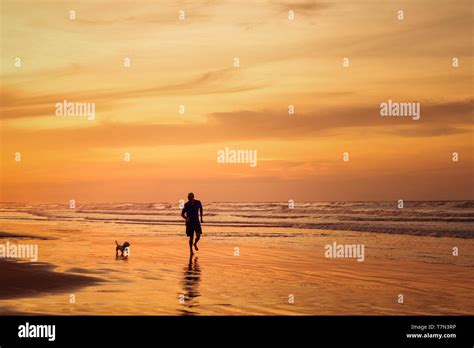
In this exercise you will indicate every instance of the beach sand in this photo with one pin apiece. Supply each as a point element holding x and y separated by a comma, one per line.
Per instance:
<point>232,276</point>
<point>30,279</point>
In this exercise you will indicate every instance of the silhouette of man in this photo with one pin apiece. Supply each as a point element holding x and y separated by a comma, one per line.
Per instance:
<point>191,211</point>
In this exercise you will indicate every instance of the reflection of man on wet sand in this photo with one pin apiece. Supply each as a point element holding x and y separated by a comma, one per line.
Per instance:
<point>191,279</point>
<point>191,212</point>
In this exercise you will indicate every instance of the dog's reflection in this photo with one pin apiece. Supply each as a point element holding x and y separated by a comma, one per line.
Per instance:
<point>190,284</point>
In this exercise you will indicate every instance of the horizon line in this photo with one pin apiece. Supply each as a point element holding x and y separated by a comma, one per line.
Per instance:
<point>335,201</point>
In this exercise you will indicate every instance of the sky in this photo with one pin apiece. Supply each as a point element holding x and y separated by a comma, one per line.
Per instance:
<point>190,62</point>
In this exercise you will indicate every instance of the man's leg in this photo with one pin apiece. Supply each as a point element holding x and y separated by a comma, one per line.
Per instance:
<point>191,237</point>
<point>198,236</point>
<point>198,230</point>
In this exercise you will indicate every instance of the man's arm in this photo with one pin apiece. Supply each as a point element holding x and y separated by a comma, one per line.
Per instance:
<point>200,208</point>
<point>183,213</point>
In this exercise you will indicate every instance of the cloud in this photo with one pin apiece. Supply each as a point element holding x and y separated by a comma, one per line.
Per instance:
<point>16,103</point>
<point>301,7</point>
<point>436,120</point>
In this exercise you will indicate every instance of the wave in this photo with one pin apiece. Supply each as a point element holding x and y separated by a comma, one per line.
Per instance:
<point>433,218</point>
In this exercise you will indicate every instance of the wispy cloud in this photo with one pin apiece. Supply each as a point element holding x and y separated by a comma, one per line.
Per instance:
<point>308,7</point>
<point>20,104</point>
<point>436,120</point>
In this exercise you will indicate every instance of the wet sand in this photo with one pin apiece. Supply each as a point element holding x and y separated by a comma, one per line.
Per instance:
<point>30,279</point>
<point>235,276</point>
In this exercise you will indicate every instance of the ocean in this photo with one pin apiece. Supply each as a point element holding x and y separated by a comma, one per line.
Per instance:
<point>422,218</point>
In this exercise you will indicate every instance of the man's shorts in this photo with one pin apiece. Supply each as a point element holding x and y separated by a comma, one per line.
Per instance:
<point>191,227</point>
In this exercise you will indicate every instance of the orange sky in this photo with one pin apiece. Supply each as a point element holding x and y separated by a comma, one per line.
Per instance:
<point>190,62</point>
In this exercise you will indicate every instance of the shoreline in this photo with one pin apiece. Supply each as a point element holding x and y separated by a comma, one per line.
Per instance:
<point>257,280</point>
<point>216,282</point>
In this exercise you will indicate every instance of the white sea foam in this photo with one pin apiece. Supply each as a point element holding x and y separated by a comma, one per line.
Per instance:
<point>439,218</point>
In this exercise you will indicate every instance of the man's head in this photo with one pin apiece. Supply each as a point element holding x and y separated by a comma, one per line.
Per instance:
<point>190,196</point>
